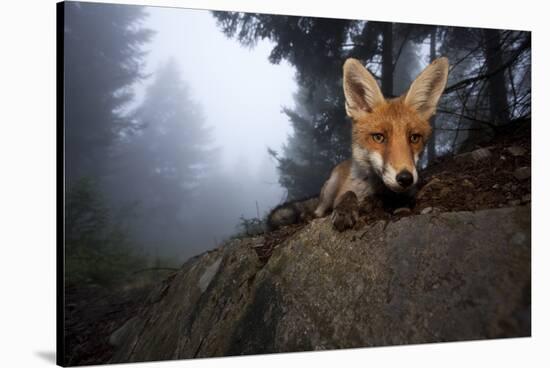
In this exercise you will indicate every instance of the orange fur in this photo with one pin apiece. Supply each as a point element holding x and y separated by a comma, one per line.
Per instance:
<point>388,135</point>
<point>397,122</point>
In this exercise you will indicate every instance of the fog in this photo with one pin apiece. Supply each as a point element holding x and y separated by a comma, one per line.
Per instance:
<point>241,95</point>
<point>184,128</point>
<point>238,96</point>
<point>241,92</point>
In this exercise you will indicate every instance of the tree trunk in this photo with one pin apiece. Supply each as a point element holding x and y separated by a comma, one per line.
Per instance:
<point>498,102</point>
<point>387,59</point>
<point>431,143</point>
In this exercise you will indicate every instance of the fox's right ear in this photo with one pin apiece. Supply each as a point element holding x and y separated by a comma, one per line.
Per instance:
<point>360,89</point>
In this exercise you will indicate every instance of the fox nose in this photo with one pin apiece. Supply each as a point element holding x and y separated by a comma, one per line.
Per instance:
<point>404,178</point>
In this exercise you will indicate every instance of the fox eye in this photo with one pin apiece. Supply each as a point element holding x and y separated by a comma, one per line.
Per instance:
<point>415,138</point>
<point>378,137</point>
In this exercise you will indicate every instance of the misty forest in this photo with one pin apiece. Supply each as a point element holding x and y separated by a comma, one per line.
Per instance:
<point>184,128</point>
<point>147,185</point>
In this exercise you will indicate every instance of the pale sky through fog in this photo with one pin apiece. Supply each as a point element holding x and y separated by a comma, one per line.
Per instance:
<point>240,91</point>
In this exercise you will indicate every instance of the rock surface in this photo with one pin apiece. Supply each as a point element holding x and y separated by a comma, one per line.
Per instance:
<point>424,278</point>
<point>476,155</point>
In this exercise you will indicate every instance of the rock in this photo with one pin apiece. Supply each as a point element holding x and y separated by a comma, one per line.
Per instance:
<point>526,198</point>
<point>514,202</point>
<point>208,275</point>
<point>496,186</point>
<point>432,210</point>
<point>522,173</point>
<point>477,155</point>
<point>434,182</point>
<point>402,211</point>
<point>516,151</point>
<point>118,336</point>
<point>257,242</point>
<point>445,191</point>
<point>426,210</point>
<point>420,279</point>
<point>433,185</point>
<point>467,183</point>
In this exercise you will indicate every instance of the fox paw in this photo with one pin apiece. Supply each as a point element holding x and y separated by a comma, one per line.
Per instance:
<point>346,213</point>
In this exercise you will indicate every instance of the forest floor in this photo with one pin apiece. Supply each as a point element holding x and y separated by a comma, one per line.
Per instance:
<point>92,314</point>
<point>497,174</point>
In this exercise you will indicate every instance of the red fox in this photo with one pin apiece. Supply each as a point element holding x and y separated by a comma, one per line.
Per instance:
<point>388,135</point>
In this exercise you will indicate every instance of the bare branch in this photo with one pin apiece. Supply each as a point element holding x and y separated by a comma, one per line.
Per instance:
<point>487,123</point>
<point>504,66</point>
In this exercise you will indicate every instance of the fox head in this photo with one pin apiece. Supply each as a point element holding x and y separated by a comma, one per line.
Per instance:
<point>388,135</point>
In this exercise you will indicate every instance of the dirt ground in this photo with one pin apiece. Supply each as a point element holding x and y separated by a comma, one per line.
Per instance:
<point>498,175</point>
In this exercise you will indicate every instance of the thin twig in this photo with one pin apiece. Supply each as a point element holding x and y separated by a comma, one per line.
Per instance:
<point>488,75</point>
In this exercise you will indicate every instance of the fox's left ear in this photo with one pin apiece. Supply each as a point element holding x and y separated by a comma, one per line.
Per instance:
<point>427,88</point>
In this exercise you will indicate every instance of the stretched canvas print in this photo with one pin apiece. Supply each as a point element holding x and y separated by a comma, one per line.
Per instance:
<point>236,183</point>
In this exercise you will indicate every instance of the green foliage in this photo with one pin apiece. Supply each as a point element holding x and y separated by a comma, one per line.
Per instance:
<point>320,140</point>
<point>313,45</point>
<point>318,47</point>
<point>165,160</point>
<point>103,58</point>
<point>97,249</point>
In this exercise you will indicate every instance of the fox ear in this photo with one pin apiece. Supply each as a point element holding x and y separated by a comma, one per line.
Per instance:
<point>427,88</point>
<point>360,89</point>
